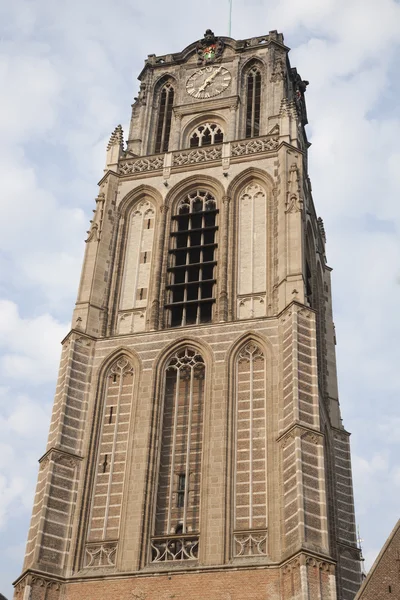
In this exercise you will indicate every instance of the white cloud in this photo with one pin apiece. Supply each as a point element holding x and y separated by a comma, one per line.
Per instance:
<point>31,346</point>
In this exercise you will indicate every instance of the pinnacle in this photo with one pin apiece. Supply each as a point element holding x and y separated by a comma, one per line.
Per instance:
<point>117,137</point>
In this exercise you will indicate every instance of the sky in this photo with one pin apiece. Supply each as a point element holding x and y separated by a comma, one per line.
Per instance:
<point>67,77</point>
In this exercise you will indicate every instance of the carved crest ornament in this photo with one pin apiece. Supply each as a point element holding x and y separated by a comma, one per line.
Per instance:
<point>209,48</point>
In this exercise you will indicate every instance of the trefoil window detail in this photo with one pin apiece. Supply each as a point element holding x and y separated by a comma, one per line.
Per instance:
<point>253,103</point>
<point>164,118</point>
<point>206,135</point>
<point>191,287</point>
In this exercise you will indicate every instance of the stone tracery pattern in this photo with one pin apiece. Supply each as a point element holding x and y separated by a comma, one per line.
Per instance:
<point>258,145</point>
<point>111,454</point>
<point>206,134</point>
<point>250,520</point>
<point>178,498</point>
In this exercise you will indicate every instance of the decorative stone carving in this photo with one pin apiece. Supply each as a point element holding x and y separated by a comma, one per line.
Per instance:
<point>94,232</point>
<point>174,548</point>
<point>117,138</point>
<point>152,163</point>
<point>293,202</point>
<point>279,68</point>
<point>254,146</point>
<point>320,564</point>
<point>198,155</point>
<point>250,543</point>
<point>322,229</point>
<point>289,567</point>
<point>311,437</point>
<point>100,555</point>
<point>210,48</point>
<point>250,352</point>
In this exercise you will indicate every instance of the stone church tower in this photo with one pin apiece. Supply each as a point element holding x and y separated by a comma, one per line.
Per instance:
<point>196,448</point>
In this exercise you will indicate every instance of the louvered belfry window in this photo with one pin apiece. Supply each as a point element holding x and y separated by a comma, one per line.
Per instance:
<point>164,118</point>
<point>192,260</point>
<point>253,103</point>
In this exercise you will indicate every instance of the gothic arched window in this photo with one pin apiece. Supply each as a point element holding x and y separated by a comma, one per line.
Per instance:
<point>206,134</point>
<point>250,496</point>
<point>137,268</point>
<point>192,260</point>
<point>178,496</point>
<point>252,251</point>
<point>253,102</point>
<point>111,458</point>
<point>164,118</point>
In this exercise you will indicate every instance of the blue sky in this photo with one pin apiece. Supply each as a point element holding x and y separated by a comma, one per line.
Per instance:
<point>68,77</point>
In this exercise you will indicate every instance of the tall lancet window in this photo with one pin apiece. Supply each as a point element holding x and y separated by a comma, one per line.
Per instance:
<point>192,260</point>
<point>253,103</point>
<point>178,497</point>
<point>105,517</point>
<point>252,252</point>
<point>250,494</point>
<point>164,118</point>
<point>137,269</point>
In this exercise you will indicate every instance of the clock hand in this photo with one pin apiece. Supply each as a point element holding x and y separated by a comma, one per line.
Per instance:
<point>210,79</point>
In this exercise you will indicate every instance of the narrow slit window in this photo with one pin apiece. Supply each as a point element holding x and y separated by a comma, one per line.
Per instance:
<point>180,501</point>
<point>164,119</point>
<point>253,103</point>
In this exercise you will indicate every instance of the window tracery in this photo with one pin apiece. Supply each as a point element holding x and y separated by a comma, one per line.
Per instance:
<point>250,502</point>
<point>192,260</point>
<point>253,102</point>
<point>178,497</point>
<point>111,452</point>
<point>164,118</point>
<point>206,134</point>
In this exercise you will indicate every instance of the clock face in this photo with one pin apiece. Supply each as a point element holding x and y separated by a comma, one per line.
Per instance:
<point>208,82</point>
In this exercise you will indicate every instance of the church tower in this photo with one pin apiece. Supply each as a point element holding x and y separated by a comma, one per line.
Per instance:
<point>196,448</point>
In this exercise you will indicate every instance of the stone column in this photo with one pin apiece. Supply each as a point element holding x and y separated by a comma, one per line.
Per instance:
<point>223,293</point>
<point>155,304</point>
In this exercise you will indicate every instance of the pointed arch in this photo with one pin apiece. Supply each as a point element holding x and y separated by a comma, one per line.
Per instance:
<point>191,289</point>
<point>214,123</point>
<point>182,369</point>
<point>194,181</point>
<point>164,95</point>
<point>249,460</point>
<point>252,205</point>
<point>136,249</point>
<point>115,398</point>
<point>252,74</point>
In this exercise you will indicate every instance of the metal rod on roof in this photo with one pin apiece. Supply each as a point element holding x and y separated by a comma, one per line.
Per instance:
<point>230,19</point>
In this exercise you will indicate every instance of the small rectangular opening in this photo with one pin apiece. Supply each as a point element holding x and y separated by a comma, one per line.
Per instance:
<point>192,292</point>
<point>208,254</point>
<point>193,274</point>
<point>176,316</point>
<point>180,258</point>
<point>179,276</point>
<point>183,222</point>
<point>182,240</point>
<point>191,314</point>
<point>207,290</point>
<point>178,294</point>
<point>206,312</point>
<point>180,502</point>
